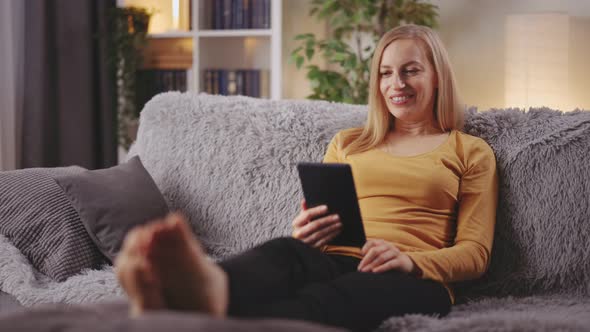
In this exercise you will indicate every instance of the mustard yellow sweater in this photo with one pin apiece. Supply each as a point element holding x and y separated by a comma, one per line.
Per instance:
<point>438,207</point>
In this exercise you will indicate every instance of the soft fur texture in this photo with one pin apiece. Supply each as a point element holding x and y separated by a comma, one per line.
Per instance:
<point>229,164</point>
<point>31,288</point>
<point>542,241</point>
<point>534,314</point>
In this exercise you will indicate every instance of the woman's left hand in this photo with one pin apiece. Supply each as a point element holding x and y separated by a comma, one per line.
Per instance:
<point>380,256</point>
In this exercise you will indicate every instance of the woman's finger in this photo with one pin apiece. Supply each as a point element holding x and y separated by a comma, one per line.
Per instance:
<point>370,256</point>
<point>382,258</point>
<point>317,211</point>
<point>317,236</point>
<point>328,236</point>
<point>301,219</point>
<point>368,245</point>
<point>307,215</point>
<point>393,264</point>
<point>316,225</point>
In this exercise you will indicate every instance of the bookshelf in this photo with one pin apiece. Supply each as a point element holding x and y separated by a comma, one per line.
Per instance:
<point>201,48</point>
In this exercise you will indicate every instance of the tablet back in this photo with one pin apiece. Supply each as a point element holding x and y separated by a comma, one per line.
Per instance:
<point>333,185</point>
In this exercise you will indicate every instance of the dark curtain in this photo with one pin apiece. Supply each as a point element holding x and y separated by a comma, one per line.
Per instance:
<point>69,115</point>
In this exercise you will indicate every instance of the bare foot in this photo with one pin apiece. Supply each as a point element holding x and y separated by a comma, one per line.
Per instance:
<point>177,269</point>
<point>136,274</point>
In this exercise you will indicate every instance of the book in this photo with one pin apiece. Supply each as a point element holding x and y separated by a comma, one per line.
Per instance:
<point>227,13</point>
<point>231,83</point>
<point>256,83</point>
<point>150,82</point>
<point>255,14</point>
<point>215,81</point>
<point>237,14</point>
<point>246,14</point>
<point>240,82</point>
<point>217,14</point>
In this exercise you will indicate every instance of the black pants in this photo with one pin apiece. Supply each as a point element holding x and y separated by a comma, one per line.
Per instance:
<point>285,278</point>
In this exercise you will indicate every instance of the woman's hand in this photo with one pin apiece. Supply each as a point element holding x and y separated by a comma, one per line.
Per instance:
<point>380,256</point>
<point>313,227</point>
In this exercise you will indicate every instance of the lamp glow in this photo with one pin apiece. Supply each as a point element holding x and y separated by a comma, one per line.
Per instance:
<point>175,14</point>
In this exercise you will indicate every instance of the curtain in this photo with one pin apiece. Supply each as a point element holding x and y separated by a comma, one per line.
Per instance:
<point>69,113</point>
<point>11,89</point>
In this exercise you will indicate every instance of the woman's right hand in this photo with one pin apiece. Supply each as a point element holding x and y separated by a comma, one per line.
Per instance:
<point>314,227</point>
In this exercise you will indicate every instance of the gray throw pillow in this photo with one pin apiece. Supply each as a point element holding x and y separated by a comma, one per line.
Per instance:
<point>39,220</point>
<point>112,201</point>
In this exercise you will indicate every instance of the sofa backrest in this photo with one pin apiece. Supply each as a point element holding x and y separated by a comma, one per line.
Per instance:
<point>542,238</point>
<point>229,164</point>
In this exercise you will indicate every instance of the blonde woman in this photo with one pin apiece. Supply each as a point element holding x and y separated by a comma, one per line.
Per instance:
<point>428,196</point>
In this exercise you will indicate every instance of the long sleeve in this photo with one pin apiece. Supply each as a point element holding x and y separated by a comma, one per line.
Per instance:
<point>331,155</point>
<point>469,257</point>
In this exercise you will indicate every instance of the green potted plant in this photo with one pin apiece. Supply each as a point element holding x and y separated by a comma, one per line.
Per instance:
<point>129,36</point>
<point>355,28</point>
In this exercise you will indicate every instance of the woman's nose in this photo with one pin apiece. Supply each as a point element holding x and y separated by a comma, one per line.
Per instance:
<point>398,82</point>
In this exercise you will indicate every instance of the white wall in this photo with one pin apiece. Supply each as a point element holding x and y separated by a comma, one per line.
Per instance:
<point>473,32</point>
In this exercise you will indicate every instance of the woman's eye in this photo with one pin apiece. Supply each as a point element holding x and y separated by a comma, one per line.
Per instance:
<point>385,73</point>
<point>411,71</point>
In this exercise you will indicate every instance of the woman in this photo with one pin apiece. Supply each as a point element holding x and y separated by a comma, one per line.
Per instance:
<point>427,193</point>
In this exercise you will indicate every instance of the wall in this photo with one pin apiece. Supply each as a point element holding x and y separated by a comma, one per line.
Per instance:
<point>473,31</point>
<point>296,20</point>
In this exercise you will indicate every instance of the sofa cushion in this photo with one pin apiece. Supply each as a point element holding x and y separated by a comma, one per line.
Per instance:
<point>38,219</point>
<point>112,201</point>
<point>542,233</point>
<point>534,314</point>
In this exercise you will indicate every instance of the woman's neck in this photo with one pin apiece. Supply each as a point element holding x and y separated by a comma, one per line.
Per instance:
<point>415,129</point>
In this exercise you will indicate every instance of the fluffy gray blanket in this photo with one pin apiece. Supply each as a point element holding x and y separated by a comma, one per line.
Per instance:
<point>31,288</point>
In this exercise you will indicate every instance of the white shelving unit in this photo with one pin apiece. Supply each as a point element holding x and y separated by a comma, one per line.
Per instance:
<point>228,49</point>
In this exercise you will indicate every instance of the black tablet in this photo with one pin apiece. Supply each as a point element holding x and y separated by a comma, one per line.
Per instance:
<point>332,185</point>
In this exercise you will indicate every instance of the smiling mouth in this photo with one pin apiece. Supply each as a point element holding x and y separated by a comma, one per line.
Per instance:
<point>400,100</point>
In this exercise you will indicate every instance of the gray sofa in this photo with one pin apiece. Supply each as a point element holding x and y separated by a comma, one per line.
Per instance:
<point>229,164</point>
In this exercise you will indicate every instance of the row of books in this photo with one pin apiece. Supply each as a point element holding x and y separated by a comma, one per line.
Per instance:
<point>245,82</point>
<point>150,82</point>
<point>240,14</point>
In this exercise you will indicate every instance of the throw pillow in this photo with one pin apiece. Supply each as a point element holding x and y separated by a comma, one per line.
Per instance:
<point>39,220</point>
<point>112,201</point>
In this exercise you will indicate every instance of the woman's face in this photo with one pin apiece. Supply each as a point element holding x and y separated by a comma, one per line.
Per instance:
<point>408,81</point>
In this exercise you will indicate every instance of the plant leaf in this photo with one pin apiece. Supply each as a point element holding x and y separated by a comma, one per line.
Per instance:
<point>309,53</point>
<point>299,62</point>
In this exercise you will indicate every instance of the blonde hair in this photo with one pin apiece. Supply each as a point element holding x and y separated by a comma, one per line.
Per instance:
<point>448,109</point>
